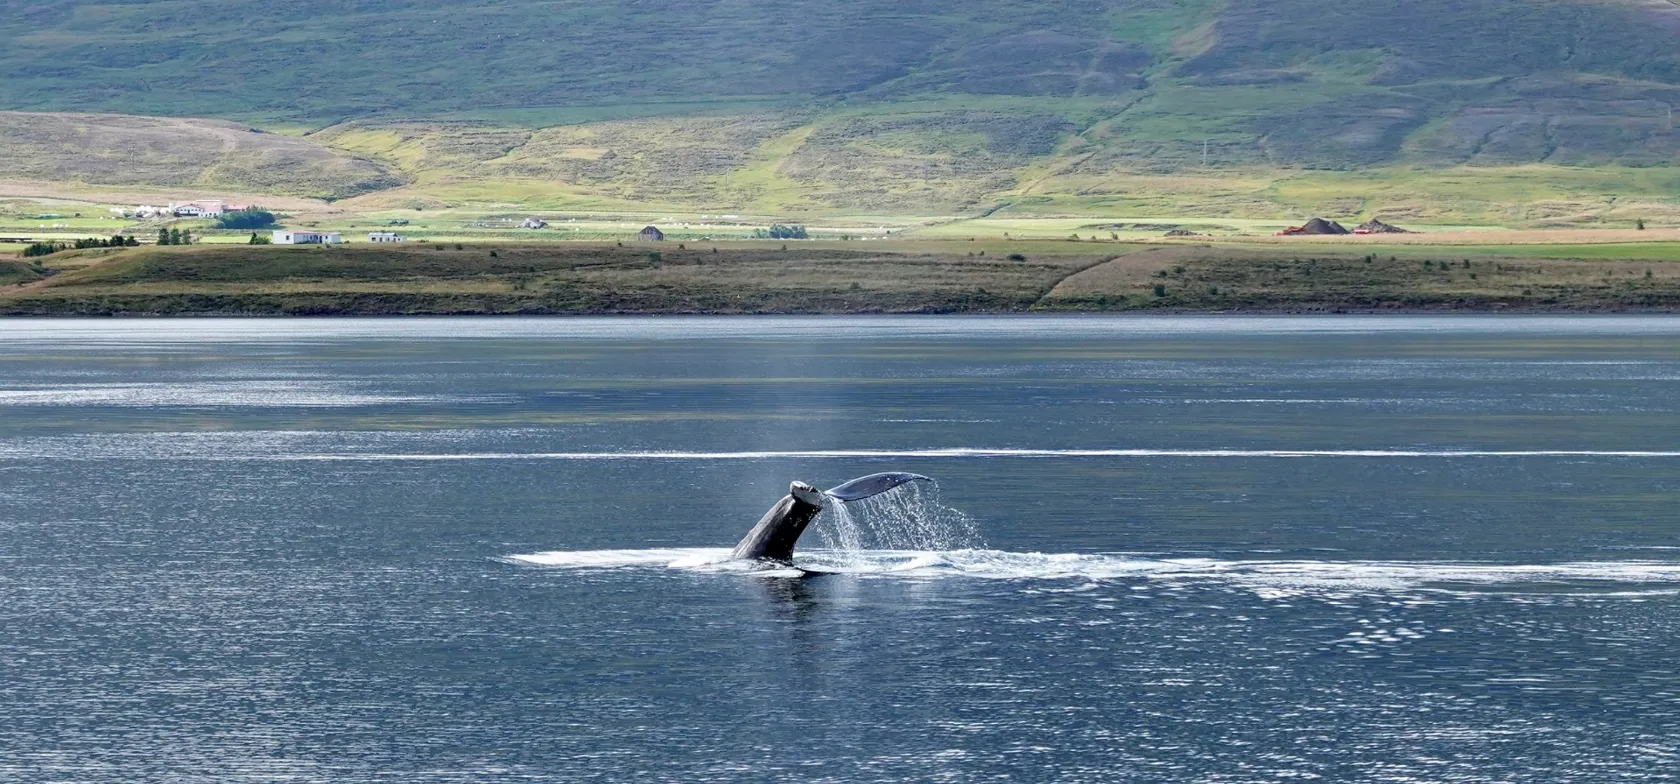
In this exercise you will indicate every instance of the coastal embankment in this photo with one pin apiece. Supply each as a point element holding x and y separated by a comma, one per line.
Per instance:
<point>578,278</point>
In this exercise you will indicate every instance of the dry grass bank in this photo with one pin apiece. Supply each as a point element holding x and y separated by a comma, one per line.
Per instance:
<point>576,278</point>
<point>1223,279</point>
<point>584,278</point>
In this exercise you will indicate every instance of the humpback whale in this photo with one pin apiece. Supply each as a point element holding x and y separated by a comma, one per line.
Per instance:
<point>772,539</point>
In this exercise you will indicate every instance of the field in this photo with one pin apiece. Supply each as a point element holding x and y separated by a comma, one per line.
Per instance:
<point>896,276</point>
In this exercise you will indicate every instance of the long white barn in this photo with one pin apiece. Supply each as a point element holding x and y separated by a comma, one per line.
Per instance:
<point>290,237</point>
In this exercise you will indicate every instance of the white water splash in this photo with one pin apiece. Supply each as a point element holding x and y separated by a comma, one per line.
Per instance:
<point>908,517</point>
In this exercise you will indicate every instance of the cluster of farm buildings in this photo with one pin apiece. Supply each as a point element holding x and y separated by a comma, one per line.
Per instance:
<point>300,237</point>
<point>215,208</point>
<point>203,208</point>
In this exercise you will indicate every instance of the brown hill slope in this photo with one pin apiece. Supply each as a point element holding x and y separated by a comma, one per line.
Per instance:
<point>120,150</point>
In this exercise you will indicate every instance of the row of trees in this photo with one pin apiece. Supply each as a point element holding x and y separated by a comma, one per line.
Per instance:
<point>49,248</point>
<point>174,237</point>
<point>778,231</point>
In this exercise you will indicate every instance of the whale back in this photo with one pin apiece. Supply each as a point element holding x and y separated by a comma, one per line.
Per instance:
<point>874,484</point>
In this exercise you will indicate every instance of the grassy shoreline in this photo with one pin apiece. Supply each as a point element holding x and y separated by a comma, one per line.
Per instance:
<point>764,278</point>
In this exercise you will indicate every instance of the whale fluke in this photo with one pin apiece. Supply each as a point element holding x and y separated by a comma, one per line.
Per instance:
<point>780,528</point>
<point>874,484</point>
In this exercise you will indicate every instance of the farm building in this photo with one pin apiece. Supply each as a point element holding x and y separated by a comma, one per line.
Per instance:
<point>290,237</point>
<point>651,234</point>
<point>386,236</point>
<point>198,209</point>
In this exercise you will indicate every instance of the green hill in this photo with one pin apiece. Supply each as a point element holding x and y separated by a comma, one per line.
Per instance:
<point>1219,106</point>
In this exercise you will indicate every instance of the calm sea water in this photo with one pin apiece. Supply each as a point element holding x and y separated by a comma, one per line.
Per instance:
<point>1175,549</point>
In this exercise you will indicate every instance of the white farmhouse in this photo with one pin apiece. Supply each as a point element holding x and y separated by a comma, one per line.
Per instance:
<point>386,236</point>
<point>207,208</point>
<point>291,237</point>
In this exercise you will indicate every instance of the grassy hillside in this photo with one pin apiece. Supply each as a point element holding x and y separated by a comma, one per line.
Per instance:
<point>1242,108</point>
<point>121,150</point>
<point>579,278</point>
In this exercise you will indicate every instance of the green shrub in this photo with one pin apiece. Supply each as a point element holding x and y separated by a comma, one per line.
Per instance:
<point>41,249</point>
<point>778,231</point>
<point>253,218</point>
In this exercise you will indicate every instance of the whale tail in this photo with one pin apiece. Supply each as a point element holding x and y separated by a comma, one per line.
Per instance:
<point>776,533</point>
<point>874,484</point>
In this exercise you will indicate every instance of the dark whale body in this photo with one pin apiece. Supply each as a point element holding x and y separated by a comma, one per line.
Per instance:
<point>773,538</point>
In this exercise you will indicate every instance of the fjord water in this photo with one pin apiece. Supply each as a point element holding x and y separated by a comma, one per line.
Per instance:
<point>1202,549</point>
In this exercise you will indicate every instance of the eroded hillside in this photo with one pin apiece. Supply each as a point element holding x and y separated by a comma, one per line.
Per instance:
<point>126,150</point>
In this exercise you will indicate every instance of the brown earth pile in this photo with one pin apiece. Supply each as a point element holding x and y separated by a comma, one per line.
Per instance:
<point>1318,226</point>
<point>1374,226</point>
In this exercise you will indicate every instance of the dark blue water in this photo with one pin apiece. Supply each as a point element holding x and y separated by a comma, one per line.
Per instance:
<point>1352,549</point>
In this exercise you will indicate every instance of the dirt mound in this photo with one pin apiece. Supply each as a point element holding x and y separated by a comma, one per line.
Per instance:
<point>1316,226</point>
<point>1374,226</point>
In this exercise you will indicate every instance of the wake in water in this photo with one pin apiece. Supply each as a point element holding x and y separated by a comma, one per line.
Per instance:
<point>1274,578</point>
<point>909,532</point>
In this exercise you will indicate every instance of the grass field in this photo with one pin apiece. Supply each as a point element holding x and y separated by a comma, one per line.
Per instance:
<point>899,276</point>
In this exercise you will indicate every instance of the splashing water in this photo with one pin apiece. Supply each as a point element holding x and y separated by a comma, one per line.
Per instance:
<point>908,517</point>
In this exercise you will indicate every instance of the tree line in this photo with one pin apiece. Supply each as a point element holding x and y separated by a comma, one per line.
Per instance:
<point>164,237</point>
<point>49,248</point>
<point>778,231</point>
